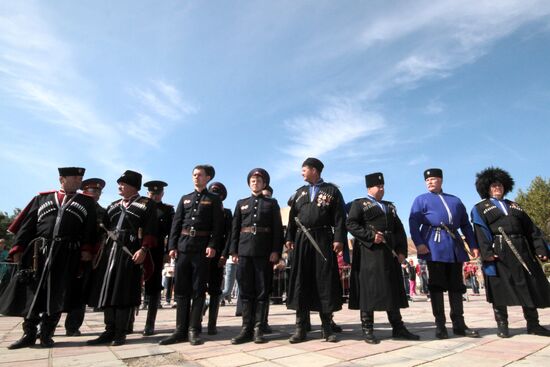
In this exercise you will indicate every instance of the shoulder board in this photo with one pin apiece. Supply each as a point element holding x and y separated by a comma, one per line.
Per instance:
<point>47,192</point>
<point>143,200</point>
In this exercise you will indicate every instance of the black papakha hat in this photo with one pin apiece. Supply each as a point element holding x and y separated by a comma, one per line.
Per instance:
<point>315,163</point>
<point>219,189</point>
<point>92,183</point>
<point>71,171</point>
<point>155,187</point>
<point>374,179</point>
<point>131,178</point>
<point>490,175</point>
<point>258,172</point>
<point>433,172</point>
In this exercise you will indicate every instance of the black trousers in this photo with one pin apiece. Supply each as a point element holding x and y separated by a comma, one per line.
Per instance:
<point>75,318</point>
<point>253,276</point>
<point>191,274</point>
<point>445,277</point>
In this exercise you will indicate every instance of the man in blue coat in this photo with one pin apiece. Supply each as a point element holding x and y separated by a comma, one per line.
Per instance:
<point>434,222</point>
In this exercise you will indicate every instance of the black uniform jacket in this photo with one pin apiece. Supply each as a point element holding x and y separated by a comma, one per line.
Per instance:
<point>376,277</point>
<point>200,214</point>
<point>257,227</point>
<point>512,284</point>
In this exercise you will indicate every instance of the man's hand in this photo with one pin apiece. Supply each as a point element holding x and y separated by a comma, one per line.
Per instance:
<point>139,257</point>
<point>422,250</point>
<point>173,254</point>
<point>475,252</point>
<point>274,258</point>
<point>222,261</point>
<point>210,252</point>
<point>289,245</point>
<point>491,258</point>
<point>401,258</point>
<point>235,258</point>
<point>86,256</point>
<point>17,257</point>
<point>379,237</point>
<point>337,247</point>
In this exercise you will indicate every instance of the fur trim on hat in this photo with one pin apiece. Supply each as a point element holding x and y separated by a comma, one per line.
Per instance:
<point>491,175</point>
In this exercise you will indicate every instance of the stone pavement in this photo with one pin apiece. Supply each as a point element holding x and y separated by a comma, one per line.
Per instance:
<point>351,350</point>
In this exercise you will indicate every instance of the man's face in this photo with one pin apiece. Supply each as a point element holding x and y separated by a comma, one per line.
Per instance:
<point>156,197</point>
<point>434,184</point>
<point>70,183</point>
<point>200,179</point>
<point>256,184</point>
<point>94,193</point>
<point>376,192</point>
<point>310,174</point>
<point>126,191</point>
<point>496,190</point>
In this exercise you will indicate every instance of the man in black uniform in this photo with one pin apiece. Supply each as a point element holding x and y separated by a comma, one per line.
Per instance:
<point>380,249</point>
<point>217,263</point>
<point>53,234</point>
<point>256,244</point>
<point>314,279</point>
<point>91,187</point>
<point>196,236</point>
<point>153,285</point>
<point>117,280</point>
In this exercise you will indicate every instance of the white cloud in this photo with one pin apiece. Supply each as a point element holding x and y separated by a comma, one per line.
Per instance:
<point>164,100</point>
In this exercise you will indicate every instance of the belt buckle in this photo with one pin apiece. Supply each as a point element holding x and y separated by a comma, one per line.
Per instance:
<point>192,232</point>
<point>254,229</point>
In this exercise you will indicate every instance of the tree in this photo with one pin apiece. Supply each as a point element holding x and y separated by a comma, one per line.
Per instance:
<point>536,202</point>
<point>5,220</point>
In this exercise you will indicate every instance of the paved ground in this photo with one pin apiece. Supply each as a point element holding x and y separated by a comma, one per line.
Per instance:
<point>489,350</point>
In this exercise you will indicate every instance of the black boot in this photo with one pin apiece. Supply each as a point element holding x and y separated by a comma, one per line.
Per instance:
<point>260,312</point>
<point>108,335</point>
<point>334,326</point>
<point>367,324</point>
<point>131,320</point>
<point>399,331</point>
<point>182,322</point>
<point>457,316</point>
<point>213,314</point>
<point>122,318</point>
<point>29,335</point>
<point>47,329</point>
<point>248,323</point>
<point>533,326</point>
<point>149,328</point>
<point>326,327</point>
<point>301,327</point>
<point>307,321</point>
<point>266,329</point>
<point>195,320</point>
<point>501,317</point>
<point>438,310</point>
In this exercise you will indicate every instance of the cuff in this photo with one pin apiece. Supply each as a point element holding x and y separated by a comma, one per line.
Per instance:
<point>15,249</point>
<point>149,241</point>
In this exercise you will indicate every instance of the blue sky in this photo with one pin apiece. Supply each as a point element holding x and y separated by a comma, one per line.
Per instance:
<point>365,86</point>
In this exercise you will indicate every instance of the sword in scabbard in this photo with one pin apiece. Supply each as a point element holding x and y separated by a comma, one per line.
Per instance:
<point>114,237</point>
<point>508,241</point>
<point>310,237</point>
<point>394,254</point>
<point>453,236</point>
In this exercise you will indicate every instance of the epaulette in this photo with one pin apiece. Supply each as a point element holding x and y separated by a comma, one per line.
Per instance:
<point>47,192</point>
<point>143,200</point>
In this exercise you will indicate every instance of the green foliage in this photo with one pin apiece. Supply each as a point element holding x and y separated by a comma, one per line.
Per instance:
<point>536,202</point>
<point>5,220</point>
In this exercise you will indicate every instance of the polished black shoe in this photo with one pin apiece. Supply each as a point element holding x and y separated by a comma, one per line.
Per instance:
<point>119,340</point>
<point>246,335</point>
<point>441,333</point>
<point>176,337</point>
<point>329,336</point>
<point>405,334</point>
<point>368,334</point>
<point>46,342</point>
<point>194,338</point>
<point>27,340</point>
<point>298,336</point>
<point>502,330</point>
<point>538,330</point>
<point>148,331</point>
<point>470,333</point>
<point>105,338</point>
<point>266,329</point>
<point>259,336</point>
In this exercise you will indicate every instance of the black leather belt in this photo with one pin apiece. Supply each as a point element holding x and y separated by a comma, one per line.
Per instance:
<point>255,229</point>
<point>191,232</point>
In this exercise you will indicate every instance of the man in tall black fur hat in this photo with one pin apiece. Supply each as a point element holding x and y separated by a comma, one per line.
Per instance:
<point>510,245</point>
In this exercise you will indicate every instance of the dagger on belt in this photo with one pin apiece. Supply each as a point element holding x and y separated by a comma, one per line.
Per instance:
<point>112,235</point>
<point>386,244</point>
<point>310,237</point>
<point>453,236</point>
<point>508,241</point>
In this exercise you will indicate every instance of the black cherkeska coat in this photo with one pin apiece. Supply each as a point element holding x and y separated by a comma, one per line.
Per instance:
<point>164,215</point>
<point>117,283</point>
<point>512,284</point>
<point>376,282</point>
<point>314,284</point>
<point>77,233</point>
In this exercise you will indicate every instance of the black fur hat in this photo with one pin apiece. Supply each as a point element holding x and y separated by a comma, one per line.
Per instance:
<point>490,175</point>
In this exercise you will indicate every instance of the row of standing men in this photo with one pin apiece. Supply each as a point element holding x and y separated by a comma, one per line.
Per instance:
<point>62,229</point>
